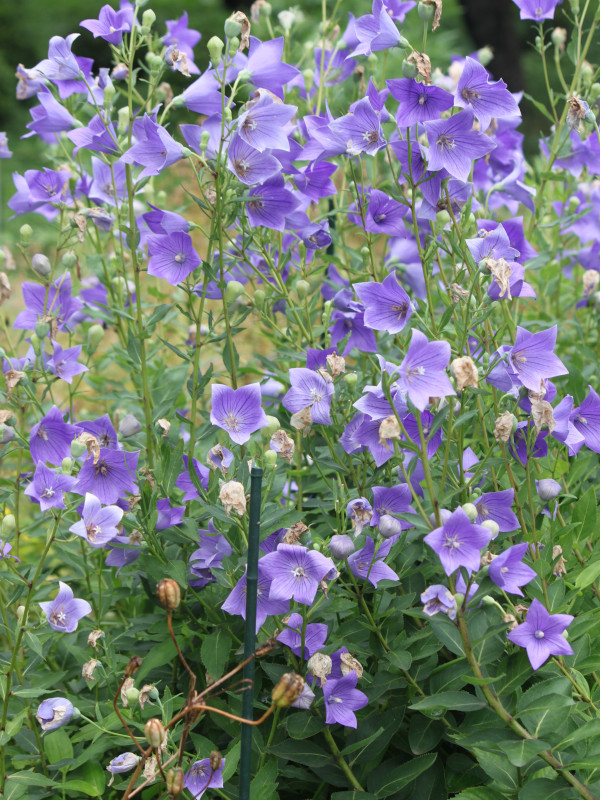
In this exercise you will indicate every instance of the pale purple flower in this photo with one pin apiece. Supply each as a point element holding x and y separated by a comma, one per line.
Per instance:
<point>49,118</point>
<point>168,516</point>
<point>341,545</point>
<point>183,38</point>
<point>438,599</point>
<point>361,130</point>
<point>172,257</point>
<point>265,606</point>
<point>200,777</point>
<point>295,572</point>
<point>368,565</point>
<point>487,99</point>
<point>391,501</point>
<point>385,215</point>
<point>113,475</point>
<point>237,411</point>
<point>123,763</point>
<point>47,487</point>
<point>453,144</point>
<point>4,151</point>
<point>267,71</point>
<point>269,205</point>
<point>262,124</point>
<point>497,507</point>
<point>342,699</point>
<point>306,698</point>
<point>548,489</point>
<point>541,634</point>
<point>50,438</point>
<point>64,612</point>
<point>537,9</point>
<point>375,31</point>
<point>64,363</point>
<point>458,543</point>
<point>423,370</point>
<point>97,525</point>
<point>61,64</point>
<point>185,482</point>
<point>309,389</point>
<point>508,572</point>
<point>251,166</point>
<point>387,306</point>
<point>110,25</point>
<point>418,102</point>
<point>154,148</point>
<point>586,420</point>
<point>219,457</point>
<point>532,359</point>
<point>291,636</point>
<point>54,712</point>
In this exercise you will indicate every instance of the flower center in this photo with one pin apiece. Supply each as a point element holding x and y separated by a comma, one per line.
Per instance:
<point>101,469</point>
<point>445,142</point>
<point>242,167</point>
<point>370,136</point>
<point>256,204</point>
<point>400,309</point>
<point>412,372</point>
<point>48,492</point>
<point>422,99</point>
<point>249,124</point>
<point>42,433</point>
<point>316,397</point>
<point>93,531</point>
<point>503,569</point>
<point>470,94</point>
<point>298,572</point>
<point>58,616</point>
<point>231,422</point>
<point>180,258</point>
<point>379,217</point>
<point>539,634</point>
<point>451,542</point>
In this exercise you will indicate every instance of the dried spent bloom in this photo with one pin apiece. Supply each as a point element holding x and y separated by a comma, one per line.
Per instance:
<point>126,687</point>
<point>560,568</point>
<point>336,364</point>
<point>319,666</point>
<point>302,421</point>
<point>350,664</point>
<point>93,637</point>
<point>465,372</point>
<point>148,694</point>
<point>233,498</point>
<point>504,426</point>
<point>284,445</point>
<point>542,415</point>
<point>293,534</point>
<point>54,712</point>
<point>169,594</point>
<point>287,690</point>
<point>87,671</point>
<point>389,428</point>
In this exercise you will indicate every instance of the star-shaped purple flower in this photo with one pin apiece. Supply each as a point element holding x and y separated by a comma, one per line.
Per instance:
<point>47,487</point>
<point>201,776</point>
<point>537,9</point>
<point>186,484</point>
<point>154,148</point>
<point>51,438</point>
<point>487,99</point>
<point>110,25</point>
<point>64,612</point>
<point>418,102</point>
<point>110,477</point>
<point>265,607</point>
<point>368,565</point>
<point>237,411</point>
<point>295,572</point>
<point>453,144</point>
<point>309,390</point>
<point>342,699</point>
<point>541,635</point>
<point>172,257</point>
<point>458,543</point>
<point>97,525</point>
<point>508,572</point>
<point>497,507</point>
<point>291,636</point>
<point>532,359</point>
<point>423,370</point>
<point>387,306</point>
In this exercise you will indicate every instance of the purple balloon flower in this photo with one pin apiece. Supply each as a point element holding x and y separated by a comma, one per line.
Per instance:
<point>97,525</point>
<point>186,484</point>
<point>49,118</point>
<point>50,439</point>
<point>110,477</point>
<point>418,102</point>
<point>168,516</point>
<point>64,612</point>
<point>237,411</point>
<point>497,507</point>
<point>423,370</point>
<point>453,144</point>
<point>47,487</point>
<point>361,130</point>
<point>123,763</point>
<point>537,9</point>
<point>249,165</point>
<point>532,359</point>
<point>172,257</point>
<point>61,64</point>
<point>309,390</point>
<point>375,31</point>
<point>270,204</point>
<point>487,100</point>
<point>342,699</point>
<point>155,149</point>
<point>387,306</point>
<point>295,572</point>
<point>391,501</point>
<point>541,634</point>
<point>54,712</point>
<point>200,777</point>
<point>291,636</point>
<point>110,25</point>
<point>458,543</point>
<point>368,565</point>
<point>439,599</point>
<point>265,607</point>
<point>507,571</point>
<point>64,363</point>
<point>586,420</point>
<point>262,124</point>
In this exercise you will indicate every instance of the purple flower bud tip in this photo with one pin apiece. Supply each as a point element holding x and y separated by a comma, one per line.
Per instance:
<point>548,489</point>
<point>389,526</point>
<point>341,546</point>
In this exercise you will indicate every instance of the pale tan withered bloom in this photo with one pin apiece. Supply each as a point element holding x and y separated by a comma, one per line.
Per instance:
<point>232,496</point>
<point>541,413</point>
<point>284,445</point>
<point>302,421</point>
<point>91,444</point>
<point>501,270</point>
<point>504,426</point>
<point>465,372</point>
<point>350,664</point>
<point>319,665</point>
<point>423,64</point>
<point>336,364</point>
<point>144,696</point>
<point>87,671</point>
<point>128,684</point>
<point>560,568</point>
<point>5,290</point>
<point>12,378</point>
<point>389,428</point>
<point>5,415</point>
<point>164,425</point>
<point>457,293</point>
<point>590,281</point>
<point>293,534</point>
<point>437,14</point>
<point>150,768</point>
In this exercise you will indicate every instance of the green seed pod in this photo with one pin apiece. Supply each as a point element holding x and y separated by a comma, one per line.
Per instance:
<point>409,70</point>
<point>425,11</point>
<point>270,457</point>
<point>69,259</point>
<point>94,337</point>
<point>259,297</point>
<point>232,28</point>
<point>270,429</point>
<point>9,525</point>
<point>233,291</point>
<point>470,510</point>
<point>42,329</point>
<point>25,232</point>
<point>215,50</point>
<point>302,289</point>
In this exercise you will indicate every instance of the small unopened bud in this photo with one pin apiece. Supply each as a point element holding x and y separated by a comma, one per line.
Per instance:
<point>425,11</point>
<point>169,594</point>
<point>485,55</point>
<point>232,27</point>
<point>259,297</point>
<point>174,781</point>
<point>270,457</point>
<point>389,526</point>
<point>148,19</point>
<point>69,259</point>
<point>66,466</point>
<point>42,329</point>
<point>409,69</point>
<point>123,119</point>
<point>443,217</point>
<point>539,44</point>
<point>234,45</point>
<point>491,526</point>
<point>215,50</point>
<point>94,337</point>
<point>351,379</point>
<point>559,37</point>
<point>7,434</point>
<point>548,489</point>
<point>470,510</point>
<point>269,430</point>
<point>155,732</point>
<point>302,289</point>
<point>287,690</point>
<point>233,291</point>
<point>215,760</point>
<point>109,95</point>
<point>445,515</point>
<point>20,614</point>
<point>25,232</point>
<point>130,426</point>
<point>341,545</point>
<point>309,77</point>
<point>77,448</point>
<point>9,523</point>
<point>41,265</point>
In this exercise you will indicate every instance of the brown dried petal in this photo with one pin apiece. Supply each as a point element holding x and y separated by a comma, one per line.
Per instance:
<point>422,63</point>
<point>128,684</point>
<point>284,445</point>
<point>336,364</point>
<point>232,496</point>
<point>5,290</point>
<point>87,671</point>
<point>93,638</point>
<point>504,426</point>
<point>5,416</point>
<point>465,372</point>
<point>542,415</point>
<point>243,20</point>
<point>501,270</point>
<point>12,377</point>
<point>319,665</point>
<point>293,534</point>
<point>350,664</point>
<point>164,425</point>
<point>92,445</point>
<point>302,420</point>
<point>389,428</point>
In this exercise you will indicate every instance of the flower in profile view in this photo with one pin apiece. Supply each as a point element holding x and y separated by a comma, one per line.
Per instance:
<point>201,776</point>
<point>537,9</point>
<point>4,151</point>
<point>368,565</point>
<point>54,712</point>
<point>508,572</point>
<point>154,148</point>
<point>541,635</point>
<point>64,612</point>
<point>61,64</point>
<point>439,599</point>
<point>185,482</point>
<point>123,763</point>
<point>342,699</point>
<point>238,411</point>
<point>458,543</point>
<point>110,25</point>
<point>375,31</point>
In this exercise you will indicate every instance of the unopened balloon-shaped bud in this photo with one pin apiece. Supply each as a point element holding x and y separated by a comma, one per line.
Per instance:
<point>341,546</point>
<point>471,511</point>
<point>66,466</point>
<point>232,27</point>
<point>41,265</point>
<point>7,434</point>
<point>548,489</point>
<point>148,20</point>
<point>25,233</point>
<point>270,457</point>
<point>169,594</point>
<point>77,448</point>
<point>491,526</point>
<point>389,526</point>
<point>302,289</point>
<point>233,291</point>
<point>215,50</point>
<point>131,695</point>
<point>130,426</point>
<point>94,337</point>
<point>155,732</point>
<point>42,329</point>
<point>9,523</point>
<point>174,781</point>
<point>425,11</point>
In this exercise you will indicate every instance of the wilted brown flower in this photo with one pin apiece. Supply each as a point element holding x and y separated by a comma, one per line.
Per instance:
<point>504,426</point>
<point>319,665</point>
<point>336,364</point>
<point>287,690</point>
<point>169,594</point>
<point>284,445</point>
<point>465,372</point>
<point>293,534</point>
<point>302,420</point>
<point>232,496</point>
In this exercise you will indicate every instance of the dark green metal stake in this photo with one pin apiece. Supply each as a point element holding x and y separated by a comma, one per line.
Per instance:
<point>250,629</point>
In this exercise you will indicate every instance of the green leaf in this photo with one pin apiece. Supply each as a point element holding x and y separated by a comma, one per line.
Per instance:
<point>457,701</point>
<point>385,782</point>
<point>353,796</point>
<point>95,775</point>
<point>301,726</point>
<point>480,793</point>
<point>161,654</point>
<point>305,752</point>
<point>214,652</point>
<point>424,734</point>
<point>448,634</point>
<point>401,659</point>
<point>586,512</point>
<point>362,744</point>
<point>265,781</point>
<point>232,757</point>
<point>588,575</point>
<point>57,746</point>
<point>520,753</point>
<point>545,789</point>
<point>76,787</point>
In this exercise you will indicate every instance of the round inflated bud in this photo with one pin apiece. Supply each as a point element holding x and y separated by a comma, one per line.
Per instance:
<point>94,337</point>
<point>131,695</point>
<point>156,63</point>
<point>274,425</point>
<point>66,465</point>
<point>244,75</point>
<point>594,93</point>
<point>558,37</point>
<point>302,289</point>
<point>40,264</point>
<point>77,449</point>
<point>215,50</point>
<point>309,77</point>
<point>444,516</point>
<point>287,690</point>
<point>25,234</point>
<point>443,217</point>
<point>122,119</point>
<point>233,291</point>
<point>470,510</point>
<point>148,19</point>
<point>259,297</point>
<point>351,378</point>
<point>548,489</point>
<point>9,523</point>
<point>372,60</point>
<point>174,781</point>
<point>20,614</point>
<point>265,9</point>
<point>409,70</point>
<point>491,526</point>
<point>155,732</point>
<point>69,259</point>
<point>587,73</point>
<point>270,457</point>
<point>234,45</point>
<point>35,342</point>
<point>485,55</point>
<point>227,116</point>
<point>109,95</point>
<point>232,27</point>
<point>341,545</point>
<point>169,594</point>
<point>389,526</point>
<point>7,434</point>
<point>42,329</point>
<point>425,11</point>
<point>130,426</point>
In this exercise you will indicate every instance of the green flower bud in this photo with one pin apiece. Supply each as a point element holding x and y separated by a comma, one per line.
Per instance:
<point>156,64</point>
<point>270,458</point>
<point>215,50</point>
<point>25,232</point>
<point>233,291</point>
<point>234,45</point>
<point>66,466</point>
<point>232,28</point>
<point>161,198</point>
<point>265,9</point>
<point>443,217</point>
<point>539,44</point>
<point>109,95</point>
<point>204,140</point>
<point>485,55</point>
<point>372,60</point>
<point>94,337</point>
<point>575,6</point>
<point>35,341</point>
<point>409,70</point>
<point>425,11</point>
<point>259,297</point>
<point>77,449</point>
<point>148,19</point>
<point>470,510</point>
<point>42,329</point>
<point>123,119</point>
<point>20,614</point>
<point>9,525</point>
<point>69,259</point>
<point>558,37</point>
<point>270,429</point>
<point>587,73</point>
<point>131,695</point>
<point>302,289</point>
<point>309,77</point>
<point>351,379</point>
<point>594,93</point>
<point>244,75</point>
<point>491,526</point>
<point>155,732</point>
<point>174,781</point>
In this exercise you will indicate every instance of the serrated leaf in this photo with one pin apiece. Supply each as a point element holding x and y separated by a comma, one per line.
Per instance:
<point>214,652</point>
